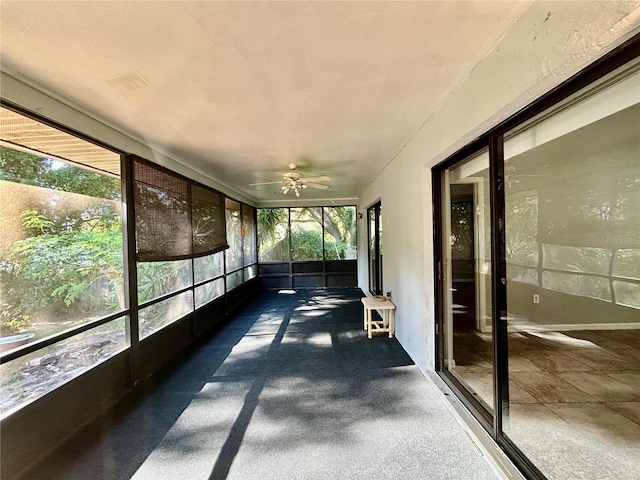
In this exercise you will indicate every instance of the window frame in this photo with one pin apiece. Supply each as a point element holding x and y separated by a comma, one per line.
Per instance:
<point>133,307</point>
<point>494,140</point>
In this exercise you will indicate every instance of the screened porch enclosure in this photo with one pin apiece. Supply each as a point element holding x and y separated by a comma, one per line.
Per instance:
<point>311,247</point>
<point>127,263</point>
<point>104,254</point>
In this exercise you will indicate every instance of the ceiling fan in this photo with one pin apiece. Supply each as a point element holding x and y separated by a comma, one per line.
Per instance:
<point>295,181</point>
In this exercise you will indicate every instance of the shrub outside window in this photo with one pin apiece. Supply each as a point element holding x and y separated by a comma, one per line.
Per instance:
<point>339,233</point>
<point>273,235</point>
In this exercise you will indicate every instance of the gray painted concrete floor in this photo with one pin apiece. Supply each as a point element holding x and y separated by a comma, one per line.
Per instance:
<point>290,389</point>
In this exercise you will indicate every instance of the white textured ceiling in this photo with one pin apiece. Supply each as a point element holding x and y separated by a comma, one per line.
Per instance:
<point>238,90</point>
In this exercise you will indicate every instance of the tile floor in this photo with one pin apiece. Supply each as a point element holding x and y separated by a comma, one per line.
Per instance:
<point>574,405</point>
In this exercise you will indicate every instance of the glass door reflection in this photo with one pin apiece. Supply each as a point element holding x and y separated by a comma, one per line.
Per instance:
<point>468,350</point>
<point>374,214</point>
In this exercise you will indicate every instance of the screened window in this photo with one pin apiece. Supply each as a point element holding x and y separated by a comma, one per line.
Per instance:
<point>27,378</point>
<point>249,235</point>
<point>306,233</point>
<point>340,233</point>
<point>156,279</point>
<point>234,280</point>
<point>62,243</point>
<point>273,235</point>
<point>209,291</point>
<point>160,314</point>
<point>206,268</point>
<point>234,236</point>
<point>61,256</point>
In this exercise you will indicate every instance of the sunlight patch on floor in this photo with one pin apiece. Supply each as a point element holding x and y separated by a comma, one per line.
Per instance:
<point>558,337</point>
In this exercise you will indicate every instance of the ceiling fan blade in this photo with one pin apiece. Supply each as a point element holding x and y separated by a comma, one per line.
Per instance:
<point>317,185</point>
<point>265,183</point>
<point>322,178</point>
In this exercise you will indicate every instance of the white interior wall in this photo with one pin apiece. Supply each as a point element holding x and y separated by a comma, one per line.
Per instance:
<point>550,42</point>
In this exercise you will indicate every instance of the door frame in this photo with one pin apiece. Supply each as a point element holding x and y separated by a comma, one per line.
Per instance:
<point>374,210</point>
<point>493,140</point>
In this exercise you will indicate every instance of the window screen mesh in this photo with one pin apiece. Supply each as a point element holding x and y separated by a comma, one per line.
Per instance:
<point>175,220</point>
<point>249,235</point>
<point>207,218</point>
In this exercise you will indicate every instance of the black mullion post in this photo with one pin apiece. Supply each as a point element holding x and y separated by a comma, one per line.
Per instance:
<point>436,202</point>
<point>242,244</point>
<point>290,247</point>
<point>324,264</point>
<point>499,284</point>
<point>255,235</point>
<point>614,252</point>
<point>191,260</point>
<point>242,264</point>
<point>224,256</point>
<point>130,267</point>
<point>224,260</point>
<point>376,247</point>
<point>368,227</point>
<point>380,289</point>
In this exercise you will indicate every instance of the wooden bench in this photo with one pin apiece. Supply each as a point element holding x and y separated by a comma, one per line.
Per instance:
<point>388,314</point>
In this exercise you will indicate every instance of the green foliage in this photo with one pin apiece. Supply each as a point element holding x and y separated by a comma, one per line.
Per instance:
<point>334,250</point>
<point>273,235</point>
<point>273,238</point>
<point>269,219</point>
<point>51,271</point>
<point>307,245</point>
<point>462,230</point>
<point>522,231</point>
<point>72,255</point>
<point>28,169</point>
<point>46,268</point>
<point>12,320</point>
<point>20,167</point>
<point>96,210</point>
<point>158,278</point>
<point>31,219</point>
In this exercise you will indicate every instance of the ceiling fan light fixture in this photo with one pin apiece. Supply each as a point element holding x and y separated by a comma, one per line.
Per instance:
<point>296,181</point>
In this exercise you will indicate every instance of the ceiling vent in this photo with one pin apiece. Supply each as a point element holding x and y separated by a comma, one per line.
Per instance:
<point>129,83</point>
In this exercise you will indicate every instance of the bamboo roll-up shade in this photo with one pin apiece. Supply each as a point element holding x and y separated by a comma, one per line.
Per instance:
<point>175,217</point>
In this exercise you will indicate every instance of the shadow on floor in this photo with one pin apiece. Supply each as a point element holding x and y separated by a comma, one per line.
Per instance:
<point>290,388</point>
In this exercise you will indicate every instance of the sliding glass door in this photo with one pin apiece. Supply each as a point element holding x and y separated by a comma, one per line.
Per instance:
<point>538,284</point>
<point>572,204</point>
<point>466,278</point>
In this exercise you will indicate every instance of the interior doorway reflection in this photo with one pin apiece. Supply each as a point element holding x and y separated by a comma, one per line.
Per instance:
<point>467,277</point>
